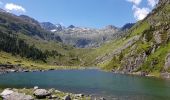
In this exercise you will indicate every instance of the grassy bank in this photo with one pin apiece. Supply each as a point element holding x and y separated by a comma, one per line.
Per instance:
<point>6,58</point>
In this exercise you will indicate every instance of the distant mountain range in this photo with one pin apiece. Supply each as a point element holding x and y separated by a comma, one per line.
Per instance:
<point>80,37</point>
<point>140,48</point>
<point>83,37</point>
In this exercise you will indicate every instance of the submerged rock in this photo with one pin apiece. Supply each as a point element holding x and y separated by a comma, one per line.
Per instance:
<point>41,93</point>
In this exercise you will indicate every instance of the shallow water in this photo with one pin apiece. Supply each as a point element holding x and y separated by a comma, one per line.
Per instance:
<point>93,82</point>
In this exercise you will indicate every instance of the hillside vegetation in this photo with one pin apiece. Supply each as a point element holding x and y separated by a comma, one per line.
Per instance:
<point>150,51</point>
<point>143,48</point>
<point>23,36</point>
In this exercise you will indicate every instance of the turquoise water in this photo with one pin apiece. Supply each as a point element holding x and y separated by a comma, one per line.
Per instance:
<point>95,82</point>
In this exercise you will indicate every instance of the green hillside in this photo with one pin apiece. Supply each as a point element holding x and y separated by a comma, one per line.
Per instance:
<point>23,36</point>
<point>143,48</point>
<point>150,50</point>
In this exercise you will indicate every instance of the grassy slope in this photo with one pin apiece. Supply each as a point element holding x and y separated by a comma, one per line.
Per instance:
<point>29,32</point>
<point>109,48</point>
<point>90,57</point>
<point>140,29</point>
<point>7,58</point>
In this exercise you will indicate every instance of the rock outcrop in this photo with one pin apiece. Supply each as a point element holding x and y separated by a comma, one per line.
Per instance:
<point>167,62</point>
<point>11,95</point>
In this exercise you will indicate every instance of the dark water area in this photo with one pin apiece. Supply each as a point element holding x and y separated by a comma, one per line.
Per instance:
<point>93,82</point>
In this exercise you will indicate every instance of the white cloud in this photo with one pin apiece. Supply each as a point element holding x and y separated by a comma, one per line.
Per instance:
<point>140,13</point>
<point>13,7</point>
<point>152,3</point>
<point>135,2</point>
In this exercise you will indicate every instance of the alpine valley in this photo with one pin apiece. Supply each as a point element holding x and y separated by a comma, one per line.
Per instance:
<point>141,48</point>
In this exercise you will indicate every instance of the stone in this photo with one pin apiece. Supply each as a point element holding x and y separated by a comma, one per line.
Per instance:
<point>54,96</point>
<point>6,92</point>
<point>157,37</point>
<point>79,95</point>
<point>51,90</point>
<point>41,93</point>
<point>18,96</point>
<point>167,62</point>
<point>67,97</point>
<point>57,91</point>
<point>35,87</point>
<point>165,75</point>
<point>102,98</point>
<point>12,70</point>
<point>11,95</point>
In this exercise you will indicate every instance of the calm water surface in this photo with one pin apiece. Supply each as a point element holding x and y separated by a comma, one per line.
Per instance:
<point>94,82</point>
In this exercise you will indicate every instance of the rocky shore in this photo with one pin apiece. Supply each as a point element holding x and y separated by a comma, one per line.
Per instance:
<point>9,68</point>
<point>164,75</point>
<point>40,94</point>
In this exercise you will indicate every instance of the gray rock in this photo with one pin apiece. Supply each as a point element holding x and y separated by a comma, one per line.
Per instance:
<point>165,75</point>
<point>157,37</point>
<point>79,95</point>
<point>6,92</point>
<point>67,97</point>
<point>51,90</point>
<point>35,87</point>
<point>167,62</point>
<point>41,93</point>
<point>53,96</point>
<point>57,91</point>
<point>11,95</point>
<point>102,98</point>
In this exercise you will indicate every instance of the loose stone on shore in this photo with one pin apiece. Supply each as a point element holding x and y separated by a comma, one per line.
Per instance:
<point>36,94</point>
<point>8,94</point>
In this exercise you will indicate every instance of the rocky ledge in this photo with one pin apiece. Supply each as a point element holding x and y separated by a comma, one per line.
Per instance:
<point>40,94</point>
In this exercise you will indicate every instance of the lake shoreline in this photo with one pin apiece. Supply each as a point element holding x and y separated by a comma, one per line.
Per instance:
<point>37,93</point>
<point>165,75</point>
<point>74,82</point>
<point>8,68</point>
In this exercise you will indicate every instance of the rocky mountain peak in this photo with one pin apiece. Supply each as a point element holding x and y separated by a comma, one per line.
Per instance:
<point>51,27</point>
<point>30,20</point>
<point>111,27</point>
<point>71,26</point>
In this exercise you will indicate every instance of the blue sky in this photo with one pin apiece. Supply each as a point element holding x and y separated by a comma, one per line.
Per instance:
<point>85,13</point>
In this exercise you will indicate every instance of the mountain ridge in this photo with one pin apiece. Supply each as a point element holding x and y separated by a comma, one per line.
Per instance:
<point>83,37</point>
